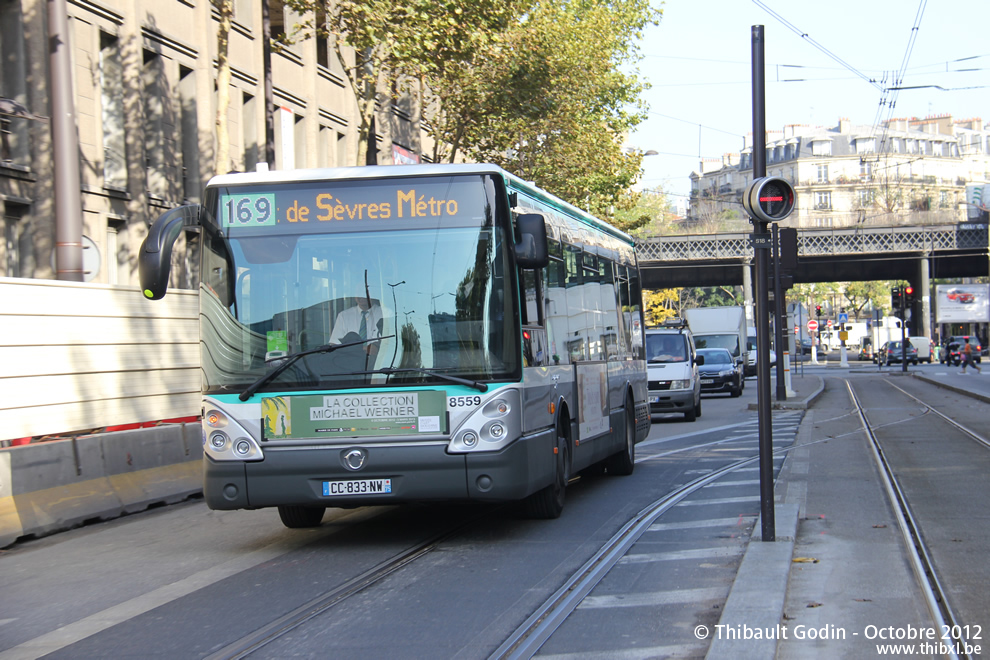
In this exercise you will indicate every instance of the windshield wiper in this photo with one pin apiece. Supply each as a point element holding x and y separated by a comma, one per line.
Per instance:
<point>388,371</point>
<point>291,359</point>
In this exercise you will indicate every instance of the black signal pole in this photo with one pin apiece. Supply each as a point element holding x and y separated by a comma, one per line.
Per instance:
<point>762,295</point>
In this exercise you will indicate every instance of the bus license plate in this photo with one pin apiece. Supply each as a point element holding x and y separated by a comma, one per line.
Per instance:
<point>357,487</point>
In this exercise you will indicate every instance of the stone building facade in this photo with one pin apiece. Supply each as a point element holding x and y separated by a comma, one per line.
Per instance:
<point>907,171</point>
<point>145,103</point>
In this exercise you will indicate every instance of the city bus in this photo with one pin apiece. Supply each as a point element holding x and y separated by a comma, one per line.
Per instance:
<point>390,334</point>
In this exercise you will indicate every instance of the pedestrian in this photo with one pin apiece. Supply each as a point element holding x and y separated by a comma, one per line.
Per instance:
<point>967,357</point>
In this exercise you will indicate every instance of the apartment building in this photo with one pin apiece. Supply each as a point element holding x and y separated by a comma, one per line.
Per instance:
<point>144,97</point>
<point>906,171</point>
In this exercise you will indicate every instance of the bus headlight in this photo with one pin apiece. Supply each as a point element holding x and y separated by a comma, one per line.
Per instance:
<point>224,439</point>
<point>218,441</point>
<point>492,427</point>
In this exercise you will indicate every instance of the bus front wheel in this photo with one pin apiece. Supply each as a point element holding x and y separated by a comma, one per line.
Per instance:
<point>300,517</point>
<point>548,502</point>
<point>623,461</point>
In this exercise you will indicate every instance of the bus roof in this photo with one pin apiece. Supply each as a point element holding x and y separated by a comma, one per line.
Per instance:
<point>398,171</point>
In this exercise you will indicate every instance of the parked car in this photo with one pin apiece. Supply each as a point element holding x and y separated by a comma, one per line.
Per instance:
<point>672,366</point>
<point>951,353</point>
<point>720,372</point>
<point>892,352</point>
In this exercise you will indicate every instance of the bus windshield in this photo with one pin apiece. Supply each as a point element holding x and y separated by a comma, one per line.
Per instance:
<point>410,271</point>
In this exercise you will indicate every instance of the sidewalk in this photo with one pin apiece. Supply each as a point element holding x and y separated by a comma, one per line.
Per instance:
<point>838,562</point>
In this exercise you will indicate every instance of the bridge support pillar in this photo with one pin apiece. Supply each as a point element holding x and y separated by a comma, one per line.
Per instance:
<point>924,286</point>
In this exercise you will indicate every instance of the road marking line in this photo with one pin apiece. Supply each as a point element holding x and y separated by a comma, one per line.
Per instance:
<point>723,500</point>
<point>677,555</point>
<point>700,524</point>
<point>655,598</point>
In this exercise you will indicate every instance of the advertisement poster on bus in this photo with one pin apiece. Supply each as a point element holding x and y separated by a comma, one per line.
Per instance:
<point>592,383</point>
<point>353,415</point>
<point>962,303</point>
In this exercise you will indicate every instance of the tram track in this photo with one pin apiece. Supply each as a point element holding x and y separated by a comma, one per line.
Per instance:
<point>922,561</point>
<point>526,641</point>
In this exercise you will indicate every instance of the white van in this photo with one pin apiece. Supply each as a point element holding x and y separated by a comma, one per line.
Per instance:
<point>672,368</point>
<point>924,346</point>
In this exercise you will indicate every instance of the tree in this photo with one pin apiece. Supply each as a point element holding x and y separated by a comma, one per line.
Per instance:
<point>226,9</point>
<point>539,102</point>
<point>661,305</point>
<point>648,217</point>
<point>860,294</point>
<point>386,46</point>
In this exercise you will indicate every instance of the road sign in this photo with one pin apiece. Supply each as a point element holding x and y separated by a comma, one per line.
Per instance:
<point>843,317</point>
<point>812,325</point>
<point>829,323</point>
<point>797,329</point>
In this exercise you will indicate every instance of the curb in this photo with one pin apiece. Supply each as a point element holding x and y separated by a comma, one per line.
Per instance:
<point>954,388</point>
<point>756,601</point>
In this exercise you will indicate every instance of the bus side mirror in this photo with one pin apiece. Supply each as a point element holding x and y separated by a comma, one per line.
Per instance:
<point>155,256</point>
<point>531,250</point>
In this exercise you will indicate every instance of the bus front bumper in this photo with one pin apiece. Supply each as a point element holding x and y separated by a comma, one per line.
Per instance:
<point>297,477</point>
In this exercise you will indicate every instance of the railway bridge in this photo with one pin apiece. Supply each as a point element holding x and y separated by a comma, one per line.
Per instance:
<point>913,253</point>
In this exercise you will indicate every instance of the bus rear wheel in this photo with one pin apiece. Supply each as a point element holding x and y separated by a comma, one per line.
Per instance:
<point>300,517</point>
<point>548,502</point>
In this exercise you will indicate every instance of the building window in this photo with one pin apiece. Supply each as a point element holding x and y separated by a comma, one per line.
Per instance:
<point>865,145</point>
<point>865,169</point>
<point>322,42</point>
<point>276,19</point>
<point>821,148</point>
<point>189,135</point>
<point>249,128</point>
<point>823,201</point>
<point>17,241</point>
<point>157,124</point>
<point>14,131</point>
<point>112,101</point>
<point>823,173</point>
<point>866,197</point>
<point>943,199</point>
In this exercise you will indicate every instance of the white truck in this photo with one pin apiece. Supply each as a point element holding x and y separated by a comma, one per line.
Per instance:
<point>719,327</point>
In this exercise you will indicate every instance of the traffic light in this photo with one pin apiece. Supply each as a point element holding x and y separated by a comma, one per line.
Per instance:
<point>769,199</point>
<point>818,310</point>
<point>908,297</point>
<point>895,298</point>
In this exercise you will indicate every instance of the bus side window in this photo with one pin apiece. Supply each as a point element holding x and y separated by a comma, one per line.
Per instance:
<point>636,318</point>
<point>625,324</point>
<point>556,305</point>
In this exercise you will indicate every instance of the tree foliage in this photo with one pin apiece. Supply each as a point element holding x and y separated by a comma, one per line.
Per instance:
<point>539,101</point>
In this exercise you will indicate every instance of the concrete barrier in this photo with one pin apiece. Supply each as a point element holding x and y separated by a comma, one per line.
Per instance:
<point>50,487</point>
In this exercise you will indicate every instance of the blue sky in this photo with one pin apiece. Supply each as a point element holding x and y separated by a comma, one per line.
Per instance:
<point>698,62</point>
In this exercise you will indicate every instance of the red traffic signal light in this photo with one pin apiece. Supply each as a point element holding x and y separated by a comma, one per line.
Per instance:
<point>818,310</point>
<point>908,296</point>
<point>769,199</point>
